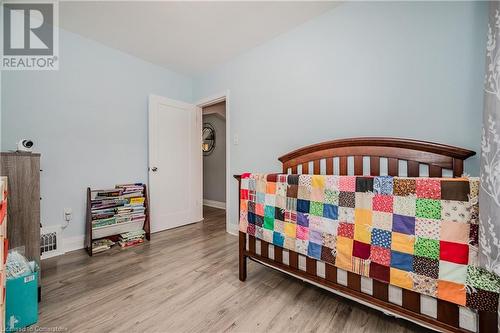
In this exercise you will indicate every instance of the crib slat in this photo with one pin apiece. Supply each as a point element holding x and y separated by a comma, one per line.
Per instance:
<point>251,244</point>
<point>411,300</point>
<point>264,249</point>
<point>435,171</point>
<point>413,169</point>
<point>381,290</point>
<point>329,166</point>
<point>354,281</point>
<point>488,322</point>
<point>278,254</point>
<point>294,170</point>
<point>343,165</point>
<point>448,313</point>
<point>305,168</point>
<point>317,167</point>
<point>374,166</point>
<point>311,266</point>
<point>358,165</point>
<point>393,166</point>
<point>294,259</point>
<point>331,273</point>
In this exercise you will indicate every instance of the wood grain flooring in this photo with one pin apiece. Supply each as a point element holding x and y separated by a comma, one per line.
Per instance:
<point>186,280</point>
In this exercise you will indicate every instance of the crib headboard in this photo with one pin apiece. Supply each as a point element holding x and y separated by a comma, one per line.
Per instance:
<point>377,156</point>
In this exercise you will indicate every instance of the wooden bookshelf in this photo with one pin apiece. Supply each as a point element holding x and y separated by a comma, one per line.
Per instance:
<point>90,234</point>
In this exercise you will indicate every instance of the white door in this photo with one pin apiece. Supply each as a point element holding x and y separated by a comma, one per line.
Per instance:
<point>175,163</point>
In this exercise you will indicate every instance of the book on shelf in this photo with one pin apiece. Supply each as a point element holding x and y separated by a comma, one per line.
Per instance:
<point>125,206</point>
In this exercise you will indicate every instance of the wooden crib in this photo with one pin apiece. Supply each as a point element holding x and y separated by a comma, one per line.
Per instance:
<point>371,156</point>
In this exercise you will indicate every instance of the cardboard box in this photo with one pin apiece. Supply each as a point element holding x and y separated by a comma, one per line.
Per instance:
<point>21,302</point>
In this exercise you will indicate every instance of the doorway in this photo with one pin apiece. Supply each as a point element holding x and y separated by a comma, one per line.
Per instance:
<point>214,156</point>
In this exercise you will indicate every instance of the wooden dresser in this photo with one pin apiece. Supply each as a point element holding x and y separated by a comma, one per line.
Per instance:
<point>23,173</point>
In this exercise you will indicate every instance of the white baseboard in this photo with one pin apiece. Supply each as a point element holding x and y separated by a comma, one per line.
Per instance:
<point>232,229</point>
<point>73,243</point>
<point>214,204</point>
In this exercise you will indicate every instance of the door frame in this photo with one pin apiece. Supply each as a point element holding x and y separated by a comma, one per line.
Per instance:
<point>210,100</point>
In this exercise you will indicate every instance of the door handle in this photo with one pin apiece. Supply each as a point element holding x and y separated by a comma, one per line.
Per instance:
<point>154,169</point>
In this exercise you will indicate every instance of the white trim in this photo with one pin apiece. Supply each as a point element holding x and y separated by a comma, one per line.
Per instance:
<point>214,204</point>
<point>224,96</point>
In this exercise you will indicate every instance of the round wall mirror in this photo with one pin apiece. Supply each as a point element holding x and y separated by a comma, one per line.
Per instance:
<point>208,136</point>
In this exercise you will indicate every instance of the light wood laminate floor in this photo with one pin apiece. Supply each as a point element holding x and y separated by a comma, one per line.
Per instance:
<point>186,280</point>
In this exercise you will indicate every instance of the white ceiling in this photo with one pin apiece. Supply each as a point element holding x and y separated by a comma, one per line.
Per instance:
<point>188,37</point>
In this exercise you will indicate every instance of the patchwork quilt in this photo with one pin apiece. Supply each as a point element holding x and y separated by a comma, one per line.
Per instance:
<point>419,234</point>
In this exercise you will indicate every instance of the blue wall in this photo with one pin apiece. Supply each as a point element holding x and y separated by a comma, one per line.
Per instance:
<point>404,69</point>
<point>89,121</point>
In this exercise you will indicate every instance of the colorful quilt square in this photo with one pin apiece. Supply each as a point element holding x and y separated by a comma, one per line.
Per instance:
<point>346,230</point>
<point>380,255</point>
<point>251,206</point>
<point>379,272</point>
<point>449,271</point>
<point>315,237</point>
<point>347,199</point>
<point>428,208</point>
<point>425,285</point>
<point>364,184</point>
<point>251,229</point>
<point>426,266</point>
<point>244,194</point>
<point>451,292</point>
<point>329,240</point>
<point>314,250</point>
<point>291,204</point>
<point>428,248</point>
<point>251,218</point>
<point>281,188</point>
<point>303,219</point>
<point>331,197</point>
<point>382,203</point>
<point>402,242</point>
<point>279,226</point>
<point>259,220</point>
<point>304,193</point>
<point>290,243</point>
<point>363,200</point>
<point>306,181</point>
<point>269,223</point>
<point>328,255</point>
<point>332,183</point>
<point>278,239</point>
<point>381,238</point>
<point>479,277</point>
<point>347,184</point>
<point>290,216</point>
<point>259,232</point>
<point>346,214</point>
<point>454,252</point>
<point>474,234</point>
<point>318,194</point>
<point>383,185</point>
<point>290,229</point>
<point>267,235</point>
<point>301,246</point>
<point>360,266</point>
<point>455,190</point>
<point>361,250</point>
<point>402,261</point>
<point>401,278</point>
<point>303,206</point>
<point>403,224</point>
<point>344,245</point>
<point>404,187</point>
<point>302,232</point>
<point>292,179</point>
<point>362,216</point>
<point>329,226</point>
<point>382,220</point>
<point>269,211</point>
<point>279,214</point>
<point>456,211</point>
<point>318,181</point>
<point>292,191</point>
<point>316,208</point>
<point>272,177</point>
<point>260,198</point>
<point>330,211</point>
<point>482,300</point>
<point>280,201</point>
<point>428,188</point>
<point>315,222</point>
<point>270,188</point>
<point>427,228</point>
<point>261,186</point>
<point>404,205</point>
<point>455,232</point>
<point>362,233</point>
